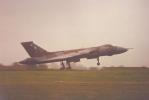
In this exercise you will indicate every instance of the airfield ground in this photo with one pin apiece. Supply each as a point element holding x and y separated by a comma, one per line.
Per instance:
<point>106,84</point>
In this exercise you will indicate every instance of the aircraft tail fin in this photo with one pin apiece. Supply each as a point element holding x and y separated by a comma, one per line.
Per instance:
<point>33,50</point>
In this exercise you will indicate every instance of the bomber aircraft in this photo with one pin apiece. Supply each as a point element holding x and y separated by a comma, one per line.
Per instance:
<point>39,56</point>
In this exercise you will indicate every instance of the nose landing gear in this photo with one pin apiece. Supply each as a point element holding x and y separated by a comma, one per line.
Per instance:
<point>98,63</point>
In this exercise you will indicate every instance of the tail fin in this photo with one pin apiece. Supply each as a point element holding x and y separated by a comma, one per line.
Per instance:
<point>33,50</point>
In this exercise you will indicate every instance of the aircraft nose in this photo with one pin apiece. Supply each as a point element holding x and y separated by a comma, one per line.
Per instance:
<point>122,50</point>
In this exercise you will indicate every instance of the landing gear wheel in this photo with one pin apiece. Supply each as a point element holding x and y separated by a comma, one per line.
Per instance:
<point>98,64</point>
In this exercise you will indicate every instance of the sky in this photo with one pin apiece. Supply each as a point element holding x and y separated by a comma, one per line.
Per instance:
<point>72,24</point>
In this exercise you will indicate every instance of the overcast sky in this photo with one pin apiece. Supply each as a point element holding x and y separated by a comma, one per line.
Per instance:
<point>71,24</point>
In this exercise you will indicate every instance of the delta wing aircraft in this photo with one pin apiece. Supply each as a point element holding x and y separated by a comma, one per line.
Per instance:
<point>39,55</point>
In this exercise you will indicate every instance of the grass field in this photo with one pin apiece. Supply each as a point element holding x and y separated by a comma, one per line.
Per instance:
<point>106,84</point>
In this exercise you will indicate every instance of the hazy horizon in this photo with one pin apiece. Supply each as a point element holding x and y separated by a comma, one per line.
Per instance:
<point>70,24</point>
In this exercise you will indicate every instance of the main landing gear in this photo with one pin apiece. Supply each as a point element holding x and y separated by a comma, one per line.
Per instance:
<point>98,63</point>
<point>63,65</point>
<point>68,64</point>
